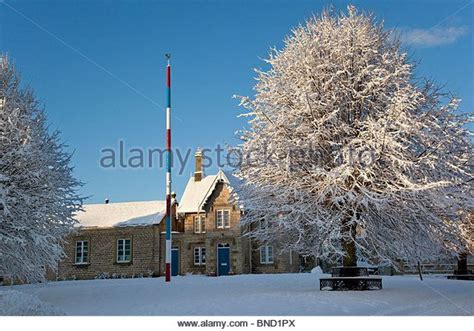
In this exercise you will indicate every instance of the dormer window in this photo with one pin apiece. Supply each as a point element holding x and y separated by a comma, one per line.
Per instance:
<point>223,218</point>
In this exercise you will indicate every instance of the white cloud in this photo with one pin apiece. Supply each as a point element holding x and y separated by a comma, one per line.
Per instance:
<point>437,36</point>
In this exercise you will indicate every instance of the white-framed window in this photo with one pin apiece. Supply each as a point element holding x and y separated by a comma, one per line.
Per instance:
<point>200,224</point>
<point>266,255</point>
<point>124,249</point>
<point>199,255</point>
<point>82,252</point>
<point>223,218</point>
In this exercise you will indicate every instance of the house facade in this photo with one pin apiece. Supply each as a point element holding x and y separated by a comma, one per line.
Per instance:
<point>115,240</point>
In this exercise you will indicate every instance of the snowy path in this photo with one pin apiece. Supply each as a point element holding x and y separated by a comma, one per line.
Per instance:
<point>287,294</point>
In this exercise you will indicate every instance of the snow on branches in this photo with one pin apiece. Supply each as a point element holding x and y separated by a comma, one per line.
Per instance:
<point>364,158</point>
<point>38,194</point>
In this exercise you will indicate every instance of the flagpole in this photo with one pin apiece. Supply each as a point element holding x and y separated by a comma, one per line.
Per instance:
<point>168,172</point>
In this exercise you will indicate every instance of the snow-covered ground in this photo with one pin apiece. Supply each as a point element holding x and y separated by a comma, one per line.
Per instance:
<point>19,303</point>
<point>286,294</point>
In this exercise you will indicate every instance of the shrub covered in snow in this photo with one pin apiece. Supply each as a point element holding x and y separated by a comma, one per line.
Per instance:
<point>102,275</point>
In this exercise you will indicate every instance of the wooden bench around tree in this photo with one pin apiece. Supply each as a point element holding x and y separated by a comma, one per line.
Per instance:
<point>350,283</point>
<point>350,279</point>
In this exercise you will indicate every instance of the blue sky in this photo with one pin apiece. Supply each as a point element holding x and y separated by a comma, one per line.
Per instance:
<point>98,67</point>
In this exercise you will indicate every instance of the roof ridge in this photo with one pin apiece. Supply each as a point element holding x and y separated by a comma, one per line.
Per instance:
<point>122,202</point>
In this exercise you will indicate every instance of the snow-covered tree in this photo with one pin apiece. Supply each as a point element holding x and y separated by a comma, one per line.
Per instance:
<point>467,228</point>
<point>38,194</point>
<point>349,155</point>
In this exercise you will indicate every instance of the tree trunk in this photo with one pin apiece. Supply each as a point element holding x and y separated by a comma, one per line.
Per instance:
<point>419,270</point>
<point>462,264</point>
<point>348,244</point>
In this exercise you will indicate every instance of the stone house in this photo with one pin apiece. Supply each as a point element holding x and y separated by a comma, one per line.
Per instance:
<point>114,240</point>
<point>127,239</point>
<point>213,240</point>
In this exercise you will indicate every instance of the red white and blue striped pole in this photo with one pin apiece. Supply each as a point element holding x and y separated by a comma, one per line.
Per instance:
<point>168,172</point>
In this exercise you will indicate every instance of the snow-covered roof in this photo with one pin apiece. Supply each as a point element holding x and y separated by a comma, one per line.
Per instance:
<point>122,214</point>
<point>196,193</point>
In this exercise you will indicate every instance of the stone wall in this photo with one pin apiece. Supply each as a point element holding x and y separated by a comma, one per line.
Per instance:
<point>103,253</point>
<point>185,243</point>
<point>282,262</point>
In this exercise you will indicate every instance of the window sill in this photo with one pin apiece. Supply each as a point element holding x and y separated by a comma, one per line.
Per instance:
<point>81,265</point>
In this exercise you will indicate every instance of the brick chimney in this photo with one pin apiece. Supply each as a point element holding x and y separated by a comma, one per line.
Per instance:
<point>198,173</point>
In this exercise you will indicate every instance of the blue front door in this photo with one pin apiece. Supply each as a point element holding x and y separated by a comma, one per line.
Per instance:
<point>174,262</point>
<point>223,260</point>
